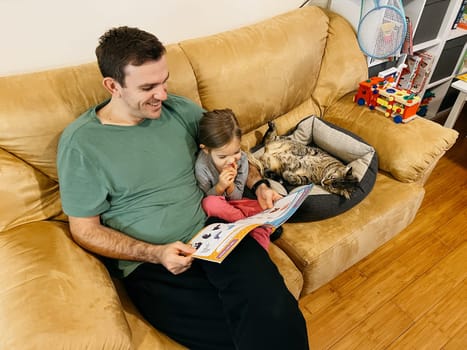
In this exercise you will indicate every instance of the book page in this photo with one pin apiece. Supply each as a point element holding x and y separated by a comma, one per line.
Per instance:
<point>216,241</point>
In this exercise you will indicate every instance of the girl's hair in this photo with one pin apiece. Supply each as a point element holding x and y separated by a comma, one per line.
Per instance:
<point>218,127</point>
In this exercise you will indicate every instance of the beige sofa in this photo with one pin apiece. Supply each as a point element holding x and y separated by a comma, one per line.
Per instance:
<point>55,295</point>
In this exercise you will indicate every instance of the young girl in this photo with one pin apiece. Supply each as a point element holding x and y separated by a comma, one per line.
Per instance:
<point>222,170</point>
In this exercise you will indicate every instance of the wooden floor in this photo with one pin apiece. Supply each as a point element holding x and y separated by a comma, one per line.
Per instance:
<point>411,293</point>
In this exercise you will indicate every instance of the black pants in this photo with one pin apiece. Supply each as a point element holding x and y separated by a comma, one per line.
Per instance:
<point>241,303</point>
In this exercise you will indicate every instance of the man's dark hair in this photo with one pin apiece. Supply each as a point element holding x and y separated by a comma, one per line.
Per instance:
<point>121,46</point>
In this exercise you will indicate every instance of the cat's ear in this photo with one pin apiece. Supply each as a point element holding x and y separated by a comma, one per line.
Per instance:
<point>349,177</point>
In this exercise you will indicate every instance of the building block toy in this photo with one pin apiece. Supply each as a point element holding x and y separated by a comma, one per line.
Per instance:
<point>381,94</point>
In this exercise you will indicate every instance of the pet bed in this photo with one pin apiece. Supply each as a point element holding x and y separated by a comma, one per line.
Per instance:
<point>345,146</point>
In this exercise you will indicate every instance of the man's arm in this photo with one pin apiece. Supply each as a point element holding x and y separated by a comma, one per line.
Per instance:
<point>266,196</point>
<point>90,234</point>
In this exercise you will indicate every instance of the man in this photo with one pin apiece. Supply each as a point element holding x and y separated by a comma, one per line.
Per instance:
<point>127,184</point>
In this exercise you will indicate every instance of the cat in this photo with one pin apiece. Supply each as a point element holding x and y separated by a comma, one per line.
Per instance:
<point>299,164</point>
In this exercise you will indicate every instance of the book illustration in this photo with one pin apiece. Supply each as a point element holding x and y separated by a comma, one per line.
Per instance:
<point>409,73</point>
<point>216,241</point>
<point>414,75</point>
<point>423,72</point>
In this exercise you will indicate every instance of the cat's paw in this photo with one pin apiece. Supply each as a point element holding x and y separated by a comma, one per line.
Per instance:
<point>299,150</point>
<point>294,179</point>
<point>346,193</point>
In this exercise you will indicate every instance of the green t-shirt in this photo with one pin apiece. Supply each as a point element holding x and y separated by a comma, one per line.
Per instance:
<point>139,179</point>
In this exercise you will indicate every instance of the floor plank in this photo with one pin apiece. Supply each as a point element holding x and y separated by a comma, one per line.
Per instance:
<point>434,286</point>
<point>377,331</point>
<point>437,327</point>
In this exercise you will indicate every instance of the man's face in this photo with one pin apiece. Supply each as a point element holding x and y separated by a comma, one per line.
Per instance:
<point>145,89</point>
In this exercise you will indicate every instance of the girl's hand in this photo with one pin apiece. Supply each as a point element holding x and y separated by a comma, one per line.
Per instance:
<point>226,179</point>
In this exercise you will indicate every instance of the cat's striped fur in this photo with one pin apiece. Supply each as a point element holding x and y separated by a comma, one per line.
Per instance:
<point>299,164</point>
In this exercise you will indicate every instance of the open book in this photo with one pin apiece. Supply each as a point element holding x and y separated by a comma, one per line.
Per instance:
<point>216,241</point>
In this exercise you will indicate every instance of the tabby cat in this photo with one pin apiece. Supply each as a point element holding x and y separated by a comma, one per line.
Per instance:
<point>299,164</point>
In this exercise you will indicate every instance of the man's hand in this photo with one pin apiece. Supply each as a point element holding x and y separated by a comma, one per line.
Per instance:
<point>93,236</point>
<point>266,196</point>
<point>176,257</point>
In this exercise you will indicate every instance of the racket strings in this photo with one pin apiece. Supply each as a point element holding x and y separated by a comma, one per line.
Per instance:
<point>381,32</point>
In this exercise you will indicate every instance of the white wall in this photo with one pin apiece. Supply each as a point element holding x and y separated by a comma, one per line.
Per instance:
<point>350,9</point>
<point>43,34</point>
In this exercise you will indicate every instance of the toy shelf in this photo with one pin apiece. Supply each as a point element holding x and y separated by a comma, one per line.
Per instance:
<point>432,22</point>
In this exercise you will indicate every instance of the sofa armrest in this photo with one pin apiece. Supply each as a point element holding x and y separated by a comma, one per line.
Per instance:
<point>408,151</point>
<point>54,295</point>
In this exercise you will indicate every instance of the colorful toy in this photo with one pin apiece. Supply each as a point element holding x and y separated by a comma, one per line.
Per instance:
<point>380,94</point>
<point>427,97</point>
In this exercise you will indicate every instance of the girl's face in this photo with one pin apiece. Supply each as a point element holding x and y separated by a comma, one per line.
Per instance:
<point>225,156</point>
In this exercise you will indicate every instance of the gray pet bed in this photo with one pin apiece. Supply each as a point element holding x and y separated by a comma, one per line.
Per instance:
<point>350,149</point>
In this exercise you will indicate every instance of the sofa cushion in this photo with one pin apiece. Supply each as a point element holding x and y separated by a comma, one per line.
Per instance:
<point>26,194</point>
<point>406,151</point>
<point>58,296</point>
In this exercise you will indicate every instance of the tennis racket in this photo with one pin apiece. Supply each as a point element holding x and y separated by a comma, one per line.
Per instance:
<point>382,30</point>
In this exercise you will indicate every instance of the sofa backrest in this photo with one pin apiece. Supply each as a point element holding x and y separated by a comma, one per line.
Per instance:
<point>261,71</point>
<point>343,65</point>
<point>284,68</point>
<point>34,109</point>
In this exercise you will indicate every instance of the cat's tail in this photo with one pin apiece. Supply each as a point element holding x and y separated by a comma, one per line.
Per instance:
<point>256,162</point>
